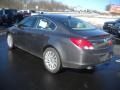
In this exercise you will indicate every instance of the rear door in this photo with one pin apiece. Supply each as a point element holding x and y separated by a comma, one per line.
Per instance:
<point>40,35</point>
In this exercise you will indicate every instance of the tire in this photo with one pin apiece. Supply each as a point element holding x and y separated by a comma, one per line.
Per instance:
<point>52,60</point>
<point>10,41</point>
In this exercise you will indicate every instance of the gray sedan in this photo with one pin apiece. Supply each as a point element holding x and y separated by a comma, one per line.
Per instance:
<point>61,41</point>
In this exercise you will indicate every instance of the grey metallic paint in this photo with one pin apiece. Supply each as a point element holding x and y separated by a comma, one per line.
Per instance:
<point>35,41</point>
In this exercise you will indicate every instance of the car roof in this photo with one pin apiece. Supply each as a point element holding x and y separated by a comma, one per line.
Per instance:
<point>54,16</point>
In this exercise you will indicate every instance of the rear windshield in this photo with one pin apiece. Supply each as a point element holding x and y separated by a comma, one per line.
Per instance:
<point>77,24</point>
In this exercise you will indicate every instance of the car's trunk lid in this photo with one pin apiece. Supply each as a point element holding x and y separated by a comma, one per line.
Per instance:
<point>98,38</point>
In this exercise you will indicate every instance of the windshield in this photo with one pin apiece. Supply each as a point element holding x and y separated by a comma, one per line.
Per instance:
<point>1,12</point>
<point>10,11</point>
<point>77,24</point>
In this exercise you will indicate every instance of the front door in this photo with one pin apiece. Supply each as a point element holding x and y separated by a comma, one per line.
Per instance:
<point>21,34</point>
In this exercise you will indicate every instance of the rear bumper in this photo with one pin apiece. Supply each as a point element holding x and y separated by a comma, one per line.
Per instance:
<point>89,58</point>
<point>92,60</point>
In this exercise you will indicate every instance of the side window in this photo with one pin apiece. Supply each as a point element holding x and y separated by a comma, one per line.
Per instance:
<point>1,12</point>
<point>118,21</point>
<point>45,24</point>
<point>117,25</point>
<point>28,22</point>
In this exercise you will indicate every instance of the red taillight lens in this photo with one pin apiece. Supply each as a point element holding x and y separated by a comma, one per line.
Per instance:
<point>82,43</point>
<point>110,42</point>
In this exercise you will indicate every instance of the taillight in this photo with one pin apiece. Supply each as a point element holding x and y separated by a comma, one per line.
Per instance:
<point>82,43</point>
<point>110,42</point>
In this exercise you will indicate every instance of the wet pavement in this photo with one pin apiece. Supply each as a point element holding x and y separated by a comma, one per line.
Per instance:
<point>20,70</point>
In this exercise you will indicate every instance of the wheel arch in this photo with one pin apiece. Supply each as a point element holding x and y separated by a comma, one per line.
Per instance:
<point>59,50</point>
<point>8,32</point>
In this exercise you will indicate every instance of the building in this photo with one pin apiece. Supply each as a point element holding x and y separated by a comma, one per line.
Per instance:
<point>114,9</point>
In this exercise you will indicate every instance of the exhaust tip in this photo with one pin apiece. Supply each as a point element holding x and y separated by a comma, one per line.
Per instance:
<point>89,67</point>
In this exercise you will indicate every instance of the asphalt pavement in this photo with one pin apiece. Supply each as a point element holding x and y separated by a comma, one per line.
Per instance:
<point>20,70</point>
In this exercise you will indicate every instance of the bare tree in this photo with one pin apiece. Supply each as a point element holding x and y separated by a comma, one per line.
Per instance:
<point>49,5</point>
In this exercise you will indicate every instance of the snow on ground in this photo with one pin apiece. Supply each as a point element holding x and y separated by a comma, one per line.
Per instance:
<point>94,19</point>
<point>97,20</point>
